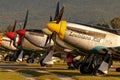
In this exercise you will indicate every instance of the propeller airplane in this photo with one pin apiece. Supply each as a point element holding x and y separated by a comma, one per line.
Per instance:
<point>98,44</point>
<point>33,36</point>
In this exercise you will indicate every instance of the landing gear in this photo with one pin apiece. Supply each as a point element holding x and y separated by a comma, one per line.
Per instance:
<point>9,57</point>
<point>30,60</point>
<point>71,65</point>
<point>46,58</point>
<point>118,69</point>
<point>85,68</point>
<point>6,58</point>
<point>43,57</point>
<point>96,64</point>
<point>97,72</point>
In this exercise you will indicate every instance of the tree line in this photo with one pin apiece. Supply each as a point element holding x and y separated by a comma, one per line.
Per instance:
<point>114,24</point>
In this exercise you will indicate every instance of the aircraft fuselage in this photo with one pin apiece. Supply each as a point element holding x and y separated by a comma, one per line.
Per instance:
<point>38,39</point>
<point>88,38</point>
<point>6,43</point>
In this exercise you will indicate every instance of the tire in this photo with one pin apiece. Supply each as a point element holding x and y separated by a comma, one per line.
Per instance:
<point>118,69</point>
<point>76,64</point>
<point>84,68</point>
<point>6,58</point>
<point>41,63</point>
<point>97,72</point>
<point>29,60</point>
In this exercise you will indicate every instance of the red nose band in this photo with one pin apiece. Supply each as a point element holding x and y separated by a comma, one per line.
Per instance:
<point>10,35</point>
<point>21,32</point>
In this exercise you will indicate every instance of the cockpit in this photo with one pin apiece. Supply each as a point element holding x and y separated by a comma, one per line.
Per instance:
<point>115,31</point>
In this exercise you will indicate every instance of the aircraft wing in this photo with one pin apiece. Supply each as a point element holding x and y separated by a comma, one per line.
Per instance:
<point>114,50</point>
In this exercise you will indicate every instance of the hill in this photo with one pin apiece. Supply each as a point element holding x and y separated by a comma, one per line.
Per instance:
<point>83,11</point>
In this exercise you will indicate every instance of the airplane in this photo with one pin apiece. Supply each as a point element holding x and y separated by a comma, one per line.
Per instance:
<point>13,46</point>
<point>98,44</point>
<point>6,43</point>
<point>34,36</point>
<point>38,38</point>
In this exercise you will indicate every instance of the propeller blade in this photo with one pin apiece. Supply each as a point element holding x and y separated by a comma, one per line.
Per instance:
<point>26,18</point>
<point>57,11</point>
<point>46,40</point>
<point>60,15</point>
<point>48,37</point>
<point>50,18</point>
<point>14,26</point>
<point>51,37</point>
<point>10,42</point>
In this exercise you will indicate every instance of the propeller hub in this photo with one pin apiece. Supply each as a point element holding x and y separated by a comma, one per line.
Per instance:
<point>21,32</point>
<point>59,28</point>
<point>10,35</point>
<point>52,26</point>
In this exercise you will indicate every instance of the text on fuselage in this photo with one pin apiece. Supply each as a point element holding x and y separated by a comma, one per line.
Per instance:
<point>84,36</point>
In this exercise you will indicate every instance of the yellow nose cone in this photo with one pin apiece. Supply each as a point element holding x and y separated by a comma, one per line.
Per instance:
<point>52,26</point>
<point>58,28</point>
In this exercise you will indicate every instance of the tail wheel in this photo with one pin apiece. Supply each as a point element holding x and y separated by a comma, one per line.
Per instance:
<point>85,69</point>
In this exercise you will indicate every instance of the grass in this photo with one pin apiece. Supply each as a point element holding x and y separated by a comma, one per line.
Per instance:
<point>112,75</point>
<point>39,76</point>
<point>76,75</point>
<point>7,75</point>
<point>116,63</point>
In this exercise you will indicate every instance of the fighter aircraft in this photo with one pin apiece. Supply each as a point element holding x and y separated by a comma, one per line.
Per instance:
<point>98,43</point>
<point>34,36</point>
<point>40,38</point>
<point>7,45</point>
<point>15,42</point>
<point>5,42</point>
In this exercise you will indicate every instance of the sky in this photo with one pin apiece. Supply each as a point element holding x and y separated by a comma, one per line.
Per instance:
<point>80,11</point>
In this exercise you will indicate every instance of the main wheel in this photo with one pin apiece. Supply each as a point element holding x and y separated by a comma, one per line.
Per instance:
<point>6,58</point>
<point>41,63</point>
<point>118,69</point>
<point>29,60</point>
<point>97,72</point>
<point>85,69</point>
